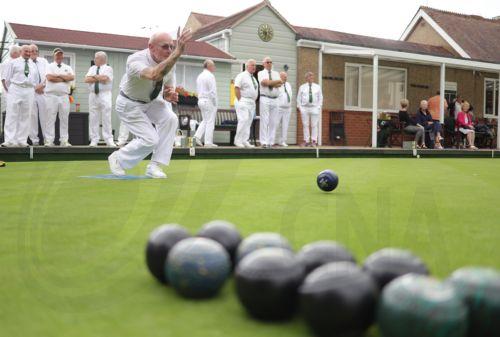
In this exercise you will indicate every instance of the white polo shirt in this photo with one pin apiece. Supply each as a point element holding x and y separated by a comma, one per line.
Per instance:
<point>41,65</point>
<point>284,100</point>
<point>15,73</point>
<point>248,86</point>
<point>303,96</point>
<point>103,70</point>
<point>138,88</point>
<point>206,86</point>
<point>266,91</point>
<point>60,88</point>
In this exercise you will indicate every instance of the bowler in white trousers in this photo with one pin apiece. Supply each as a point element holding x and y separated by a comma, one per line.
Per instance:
<point>309,102</point>
<point>246,89</point>
<point>207,102</point>
<point>284,108</point>
<point>39,113</point>
<point>270,82</point>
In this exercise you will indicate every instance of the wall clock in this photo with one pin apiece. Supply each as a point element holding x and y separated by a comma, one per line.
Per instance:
<point>266,32</point>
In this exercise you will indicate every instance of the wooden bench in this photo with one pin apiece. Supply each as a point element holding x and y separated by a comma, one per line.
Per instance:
<point>225,120</point>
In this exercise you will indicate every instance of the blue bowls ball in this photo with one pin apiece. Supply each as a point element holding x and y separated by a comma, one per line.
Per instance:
<point>198,267</point>
<point>327,180</point>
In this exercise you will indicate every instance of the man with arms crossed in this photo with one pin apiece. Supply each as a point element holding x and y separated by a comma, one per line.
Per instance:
<point>270,82</point>
<point>146,92</point>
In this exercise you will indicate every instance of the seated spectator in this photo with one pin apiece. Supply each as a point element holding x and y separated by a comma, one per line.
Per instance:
<point>410,125</point>
<point>465,125</point>
<point>424,119</point>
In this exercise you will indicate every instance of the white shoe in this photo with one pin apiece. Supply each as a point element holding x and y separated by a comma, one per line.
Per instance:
<point>49,144</point>
<point>8,144</point>
<point>284,144</point>
<point>111,144</point>
<point>114,165</point>
<point>22,145</point>
<point>120,144</point>
<point>154,171</point>
<point>248,145</point>
<point>211,145</point>
<point>198,142</point>
<point>241,146</point>
<point>65,143</point>
<point>93,144</point>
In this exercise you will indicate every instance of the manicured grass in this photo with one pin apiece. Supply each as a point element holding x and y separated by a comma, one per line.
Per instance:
<point>72,249</point>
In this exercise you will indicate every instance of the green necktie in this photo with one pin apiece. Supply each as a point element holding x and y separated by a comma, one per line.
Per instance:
<point>310,93</point>
<point>96,84</point>
<point>287,94</point>
<point>254,82</point>
<point>26,68</point>
<point>270,79</point>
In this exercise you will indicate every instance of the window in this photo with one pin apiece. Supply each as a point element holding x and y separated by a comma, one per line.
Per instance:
<point>186,75</point>
<point>69,58</point>
<point>491,98</point>
<point>359,87</point>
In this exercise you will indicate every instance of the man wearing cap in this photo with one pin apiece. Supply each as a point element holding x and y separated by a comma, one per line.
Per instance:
<point>284,108</point>
<point>59,77</point>
<point>21,76</point>
<point>270,82</point>
<point>246,89</point>
<point>100,81</point>
<point>39,107</point>
<point>144,105</point>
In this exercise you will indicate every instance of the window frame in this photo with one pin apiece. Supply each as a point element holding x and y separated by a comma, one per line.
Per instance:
<point>183,64</point>
<point>496,85</point>
<point>360,74</point>
<point>70,55</point>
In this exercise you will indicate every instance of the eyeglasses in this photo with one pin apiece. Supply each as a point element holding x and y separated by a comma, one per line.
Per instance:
<point>167,46</point>
<point>269,62</point>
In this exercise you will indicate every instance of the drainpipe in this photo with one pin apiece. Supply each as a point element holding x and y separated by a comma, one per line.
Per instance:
<point>320,82</point>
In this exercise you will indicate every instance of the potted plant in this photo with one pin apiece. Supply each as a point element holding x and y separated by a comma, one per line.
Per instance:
<point>186,97</point>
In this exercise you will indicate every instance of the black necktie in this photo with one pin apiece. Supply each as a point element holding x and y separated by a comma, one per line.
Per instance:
<point>156,90</point>
<point>38,71</point>
<point>310,93</point>
<point>59,65</point>
<point>287,94</point>
<point>270,79</point>
<point>26,68</point>
<point>96,84</point>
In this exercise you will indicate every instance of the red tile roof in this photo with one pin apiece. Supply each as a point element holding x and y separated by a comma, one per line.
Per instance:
<point>325,35</point>
<point>226,23</point>
<point>478,36</point>
<point>205,19</point>
<point>76,37</point>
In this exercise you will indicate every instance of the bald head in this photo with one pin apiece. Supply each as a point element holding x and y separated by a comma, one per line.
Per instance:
<point>160,46</point>
<point>209,65</point>
<point>267,62</point>
<point>284,76</point>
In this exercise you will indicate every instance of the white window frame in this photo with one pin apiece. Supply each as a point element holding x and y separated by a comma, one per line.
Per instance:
<point>181,82</point>
<point>495,105</point>
<point>72,57</point>
<point>359,65</point>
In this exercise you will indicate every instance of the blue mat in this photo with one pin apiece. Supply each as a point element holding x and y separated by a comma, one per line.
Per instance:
<point>113,177</point>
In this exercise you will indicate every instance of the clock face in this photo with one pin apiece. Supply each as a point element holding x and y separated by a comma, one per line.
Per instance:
<point>266,32</point>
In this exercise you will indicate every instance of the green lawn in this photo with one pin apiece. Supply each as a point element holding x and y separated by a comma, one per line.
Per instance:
<point>72,249</point>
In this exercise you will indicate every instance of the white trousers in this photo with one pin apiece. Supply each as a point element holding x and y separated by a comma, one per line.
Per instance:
<point>268,120</point>
<point>18,114</point>
<point>158,139</point>
<point>310,118</point>
<point>245,111</point>
<point>39,112</point>
<point>57,104</point>
<point>284,114</point>
<point>100,112</point>
<point>123,134</point>
<point>206,128</point>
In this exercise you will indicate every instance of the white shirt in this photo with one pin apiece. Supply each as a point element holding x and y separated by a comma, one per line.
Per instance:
<point>41,65</point>
<point>139,88</point>
<point>3,72</point>
<point>59,88</point>
<point>15,73</point>
<point>284,101</point>
<point>207,86</point>
<point>266,91</point>
<point>248,86</point>
<point>103,70</point>
<point>303,96</point>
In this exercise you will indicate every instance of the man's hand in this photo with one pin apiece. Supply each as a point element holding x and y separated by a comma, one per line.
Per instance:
<point>39,89</point>
<point>182,40</point>
<point>170,95</point>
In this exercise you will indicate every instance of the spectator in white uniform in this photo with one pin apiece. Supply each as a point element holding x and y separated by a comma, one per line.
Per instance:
<point>146,92</point>
<point>246,90</point>
<point>284,108</point>
<point>100,81</point>
<point>39,112</point>
<point>207,102</point>
<point>270,82</point>
<point>14,53</point>
<point>58,86</point>
<point>309,102</point>
<point>20,75</point>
